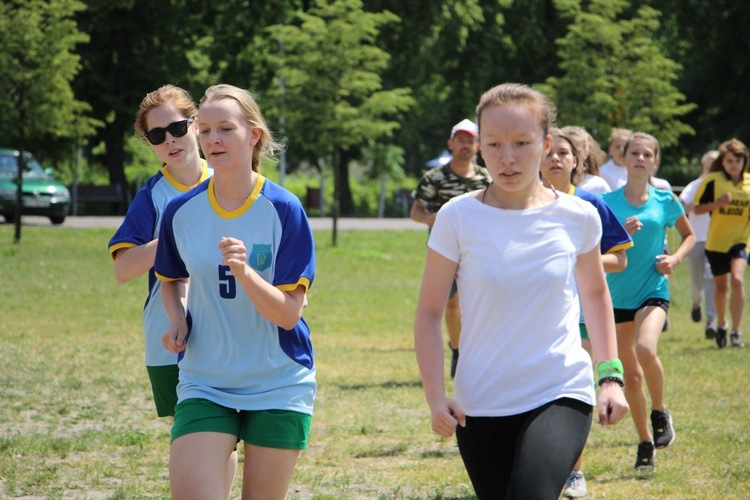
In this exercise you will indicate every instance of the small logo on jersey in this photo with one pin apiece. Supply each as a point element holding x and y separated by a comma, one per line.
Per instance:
<point>260,257</point>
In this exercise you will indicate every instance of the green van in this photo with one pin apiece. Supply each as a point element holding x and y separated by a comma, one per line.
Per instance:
<point>42,194</point>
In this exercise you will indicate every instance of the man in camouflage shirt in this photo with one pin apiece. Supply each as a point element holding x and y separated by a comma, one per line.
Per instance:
<point>440,184</point>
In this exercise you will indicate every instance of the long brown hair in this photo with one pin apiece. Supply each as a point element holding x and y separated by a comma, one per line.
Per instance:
<point>734,146</point>
<point>178,97</point>
<point>576,175</point>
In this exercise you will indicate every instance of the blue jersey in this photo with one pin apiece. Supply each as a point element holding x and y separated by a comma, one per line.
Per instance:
<point>614,235</point>
<point>140,226</point>
<point>234,356</point>
<point>641,280</point>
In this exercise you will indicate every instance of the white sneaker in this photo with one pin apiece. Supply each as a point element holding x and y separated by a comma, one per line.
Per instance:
<point>575,486</point>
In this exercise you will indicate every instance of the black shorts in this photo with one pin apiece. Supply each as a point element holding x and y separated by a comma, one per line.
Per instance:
<point>721,263</point>
<point>628,315</point>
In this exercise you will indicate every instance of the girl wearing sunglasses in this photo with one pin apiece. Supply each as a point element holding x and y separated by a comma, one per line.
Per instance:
<point>247,373</point>
<point>166,121</point>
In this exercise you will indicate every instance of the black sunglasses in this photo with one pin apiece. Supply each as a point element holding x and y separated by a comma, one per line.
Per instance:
<point>157,135</point>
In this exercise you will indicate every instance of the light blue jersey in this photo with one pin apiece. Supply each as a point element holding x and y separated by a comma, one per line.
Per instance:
<point>641,280</point>
<point>234,356</point>
<point>140,226</point>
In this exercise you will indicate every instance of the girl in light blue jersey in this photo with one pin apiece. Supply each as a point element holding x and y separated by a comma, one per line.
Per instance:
<point>245,246</point>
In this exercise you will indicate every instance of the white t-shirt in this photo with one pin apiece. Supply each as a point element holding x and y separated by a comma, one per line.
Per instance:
<point>699,222</point>
<point>661,184</point>
<point>594,184</point>
<point>615,175</point>
<point>520,342</point>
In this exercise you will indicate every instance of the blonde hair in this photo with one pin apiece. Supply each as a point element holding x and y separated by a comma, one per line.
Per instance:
<point>619,133</point>
<point>709,156</point>
<point>516,93</point>
<point>266,145</point>
<point>179,98</point>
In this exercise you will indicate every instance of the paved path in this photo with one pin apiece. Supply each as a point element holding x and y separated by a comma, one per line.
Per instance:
<point>317,223</point>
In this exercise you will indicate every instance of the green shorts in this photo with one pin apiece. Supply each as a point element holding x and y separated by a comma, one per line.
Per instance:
<point>282,429</point>
<point>584,331</point>
<point>164,386</point>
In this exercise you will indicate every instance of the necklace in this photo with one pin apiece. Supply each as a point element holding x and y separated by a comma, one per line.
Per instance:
<point>528,201</point>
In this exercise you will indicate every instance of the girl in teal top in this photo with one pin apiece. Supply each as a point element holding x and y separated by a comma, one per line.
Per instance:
<point>640,294</point>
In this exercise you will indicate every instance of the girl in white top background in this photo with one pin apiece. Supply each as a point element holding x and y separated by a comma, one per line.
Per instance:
<point>702,284</point>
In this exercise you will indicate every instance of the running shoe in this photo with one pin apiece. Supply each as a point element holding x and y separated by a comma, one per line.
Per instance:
<point>645,460</point>
<point>575,486</point>
<point>736,338</point>
<point>661,422</point>
<point>721,337</point>
<point>695,314</point>
<point>710,330</point>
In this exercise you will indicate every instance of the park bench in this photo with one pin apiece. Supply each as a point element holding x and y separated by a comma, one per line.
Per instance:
<point>96,194</point>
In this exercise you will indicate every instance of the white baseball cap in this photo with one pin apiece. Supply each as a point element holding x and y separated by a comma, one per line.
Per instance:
<point>465,125</point>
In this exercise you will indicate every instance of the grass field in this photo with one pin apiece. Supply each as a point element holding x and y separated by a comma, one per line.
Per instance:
<point>77,419</point>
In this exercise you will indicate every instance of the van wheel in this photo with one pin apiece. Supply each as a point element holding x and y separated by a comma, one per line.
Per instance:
<point>57,219</point>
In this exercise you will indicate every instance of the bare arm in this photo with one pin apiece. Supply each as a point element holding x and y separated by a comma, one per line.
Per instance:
<point>174,298</point>
<point>667,263</point>
<point>437,279</point>
<point>282,308</point>
<point>600,322</point>
<point>615,262</point>
<point>131,263</point>
<point>419,213</point>
<point>725,199</point>
<point>687,206</point>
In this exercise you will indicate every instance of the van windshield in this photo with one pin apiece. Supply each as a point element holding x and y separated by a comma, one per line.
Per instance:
<point>9,167</point>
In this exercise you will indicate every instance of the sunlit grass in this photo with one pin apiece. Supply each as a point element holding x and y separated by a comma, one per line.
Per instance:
<point>77,419</point>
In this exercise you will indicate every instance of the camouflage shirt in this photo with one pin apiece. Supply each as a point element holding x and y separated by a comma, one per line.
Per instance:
<point>440,184</point>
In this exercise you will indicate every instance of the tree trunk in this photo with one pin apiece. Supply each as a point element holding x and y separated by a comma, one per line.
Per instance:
<point>115,162</point>
<point>336,193</point>
<point>20,167</point>
<point>346,199</point>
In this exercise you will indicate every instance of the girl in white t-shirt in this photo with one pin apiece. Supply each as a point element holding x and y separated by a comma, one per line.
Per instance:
<point>521,255</point>
<point>702,286</point>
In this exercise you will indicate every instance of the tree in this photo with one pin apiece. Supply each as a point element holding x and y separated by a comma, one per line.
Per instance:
<point>704,38</point>
<point>615,75</point>
<point>332,98</point>
<point>133,50</point>
<point>38,38</point>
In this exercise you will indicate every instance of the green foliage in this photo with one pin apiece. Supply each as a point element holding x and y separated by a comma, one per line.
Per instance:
<point>38,40</point>
<point>330,92</point>
<point>615,75</point>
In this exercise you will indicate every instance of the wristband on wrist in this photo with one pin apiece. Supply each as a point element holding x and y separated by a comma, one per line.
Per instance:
<point>611,368</point>
<point>618,380</point>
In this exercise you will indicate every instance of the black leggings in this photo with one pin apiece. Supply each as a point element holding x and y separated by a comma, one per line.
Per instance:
<point>526,456</point>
